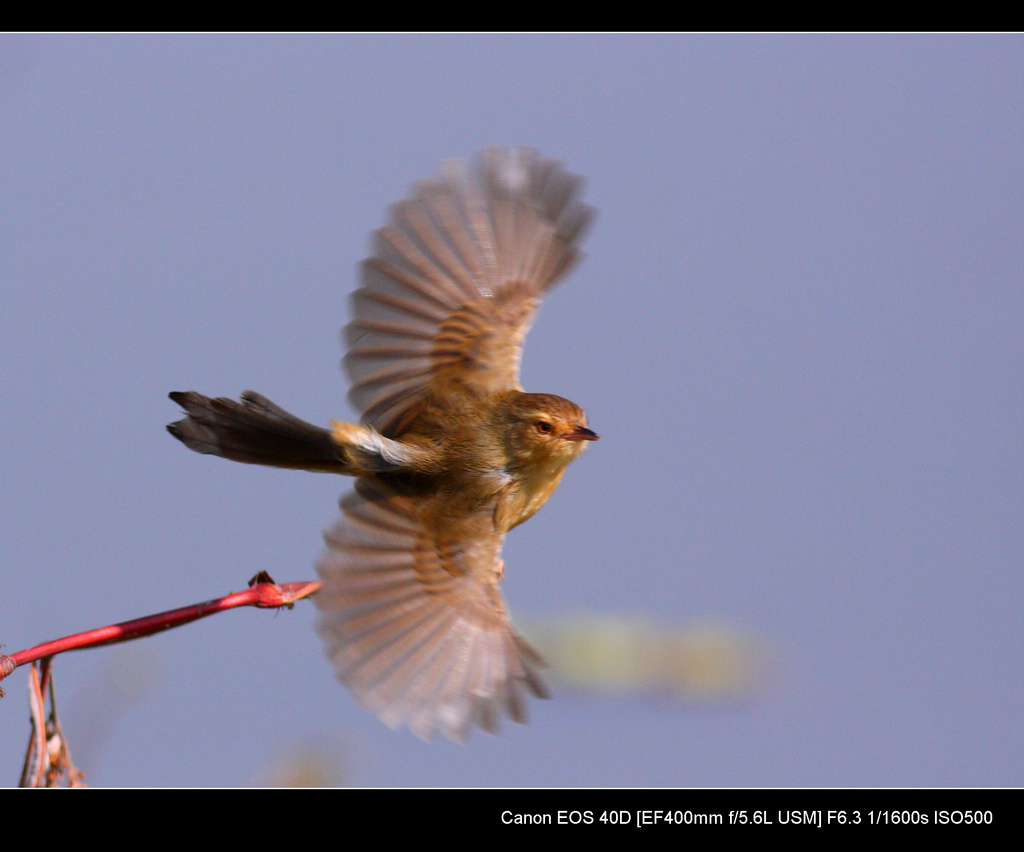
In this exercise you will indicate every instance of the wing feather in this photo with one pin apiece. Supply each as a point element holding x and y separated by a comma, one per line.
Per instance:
<point>456,278</point>
<point>414,621</point>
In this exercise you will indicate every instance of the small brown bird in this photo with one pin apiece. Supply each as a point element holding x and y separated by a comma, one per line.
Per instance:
<point>450,453</point>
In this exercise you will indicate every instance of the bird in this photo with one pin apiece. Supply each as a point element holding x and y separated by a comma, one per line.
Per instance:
<point>450,453</point>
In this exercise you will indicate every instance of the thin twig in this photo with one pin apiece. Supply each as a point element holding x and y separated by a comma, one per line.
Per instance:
<point>48,760</point>
<point>261,594</point>
<point>36,762</point>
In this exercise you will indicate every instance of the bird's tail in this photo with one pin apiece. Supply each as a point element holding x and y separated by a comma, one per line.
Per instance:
<point>255,431</point>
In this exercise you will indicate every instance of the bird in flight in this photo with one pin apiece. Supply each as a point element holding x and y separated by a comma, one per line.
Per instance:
<point>450,453</point>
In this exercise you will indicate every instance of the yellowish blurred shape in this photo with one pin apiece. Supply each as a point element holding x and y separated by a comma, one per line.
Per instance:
<point>621,654</point>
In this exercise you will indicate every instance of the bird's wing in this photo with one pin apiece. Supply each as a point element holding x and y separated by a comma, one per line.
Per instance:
<point>414,622</point>
<point>456,278</point>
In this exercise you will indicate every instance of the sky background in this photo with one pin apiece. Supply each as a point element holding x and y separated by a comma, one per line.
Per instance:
<point>799,331</point>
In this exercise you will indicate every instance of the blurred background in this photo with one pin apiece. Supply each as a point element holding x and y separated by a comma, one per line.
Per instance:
<point>793,559</point>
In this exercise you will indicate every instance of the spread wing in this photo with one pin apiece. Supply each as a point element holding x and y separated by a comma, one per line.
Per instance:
<point>413,619</point>
<point>456,278</point>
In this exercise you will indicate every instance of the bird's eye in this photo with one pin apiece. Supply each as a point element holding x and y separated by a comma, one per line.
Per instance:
<point>543,426</point>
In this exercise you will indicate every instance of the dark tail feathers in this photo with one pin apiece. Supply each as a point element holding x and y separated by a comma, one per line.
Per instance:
<point>255,431</point>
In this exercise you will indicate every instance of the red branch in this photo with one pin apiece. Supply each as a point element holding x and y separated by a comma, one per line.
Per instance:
<point>263,593</point>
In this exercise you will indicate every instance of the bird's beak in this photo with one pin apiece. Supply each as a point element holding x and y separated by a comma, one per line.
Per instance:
<point>581,433</point>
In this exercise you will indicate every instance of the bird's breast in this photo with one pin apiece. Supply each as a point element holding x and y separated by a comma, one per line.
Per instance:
<point>525,494</point>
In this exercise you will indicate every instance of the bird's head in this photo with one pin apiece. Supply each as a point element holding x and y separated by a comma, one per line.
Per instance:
<point>542,429</point>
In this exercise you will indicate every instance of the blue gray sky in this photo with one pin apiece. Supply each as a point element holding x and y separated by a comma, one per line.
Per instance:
<point>799,331</point>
